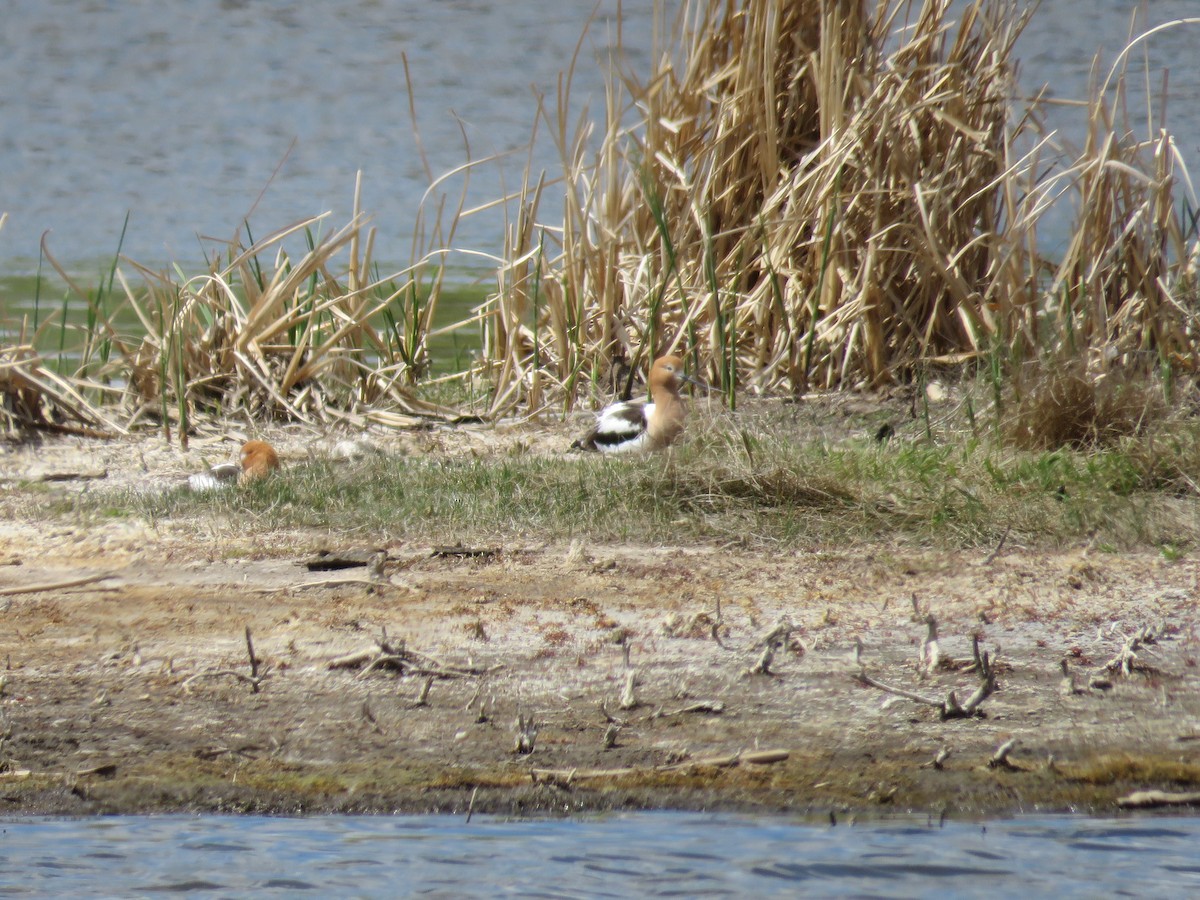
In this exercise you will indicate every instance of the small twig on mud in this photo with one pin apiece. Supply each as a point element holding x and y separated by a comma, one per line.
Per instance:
<point>1126,660</point>
<point>949,708</point>
<point>628,696</point>
<point>337,582</point>
<point>991,557</point>
<point>53,586</point>
<point>423,696</point>
<point>709,707</point>
<point>939,760</point>
<point>253,659</point>
<point>253,679</point>
<point>918,614</point>
<point>370,716</point>
<point>471,804</point>
<point>609,717</point>
<point>527,731</point>
<point>255,683</point>
<point>610,736</point>
<point>716,636</point>
<point>394,661</point>
<point>931,654</point>
<point>775,640</point>
<point>474,696</point>
<point>1000,758</point>
<point>730,761</point>
<point>1069,685</point>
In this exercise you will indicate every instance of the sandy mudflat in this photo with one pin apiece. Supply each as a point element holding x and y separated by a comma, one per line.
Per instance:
<point>131,692</point>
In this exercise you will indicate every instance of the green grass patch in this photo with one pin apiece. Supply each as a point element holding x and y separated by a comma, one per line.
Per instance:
<point>724,486</point>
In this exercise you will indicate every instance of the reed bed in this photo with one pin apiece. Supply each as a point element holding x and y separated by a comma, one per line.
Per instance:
<point>834,195</point>
<point>797,196</point>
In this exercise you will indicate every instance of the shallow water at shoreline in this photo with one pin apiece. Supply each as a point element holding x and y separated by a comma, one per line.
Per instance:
<point>640,854</point>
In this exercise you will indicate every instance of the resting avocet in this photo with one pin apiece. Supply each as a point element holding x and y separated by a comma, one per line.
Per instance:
<point>258,459</point>
<point>638,424</point>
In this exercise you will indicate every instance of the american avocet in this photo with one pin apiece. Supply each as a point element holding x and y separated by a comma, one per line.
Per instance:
<point>258,459</point>
<point>638,424</point>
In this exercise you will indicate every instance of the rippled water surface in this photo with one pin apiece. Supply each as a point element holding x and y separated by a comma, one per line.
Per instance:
<point>637,855</point>
<point>179,113</point>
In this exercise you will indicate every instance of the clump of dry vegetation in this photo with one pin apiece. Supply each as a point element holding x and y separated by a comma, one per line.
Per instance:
<point>797,195</point>
<point>1068,407</point>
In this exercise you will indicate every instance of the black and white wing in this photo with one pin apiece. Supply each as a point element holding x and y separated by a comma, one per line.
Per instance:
<point>619,427</point>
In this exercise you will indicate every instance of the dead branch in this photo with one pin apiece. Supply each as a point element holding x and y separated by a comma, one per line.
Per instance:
<point>352,660</point>
<point>255,683</point>
<point>53,585</point>
<point>729,761</point>
<point>931,654</point>
<point>1152,799</point>
<point>949,708</point>
<point>628,696</point>
<point>776,639</point>
<point>609,717</point>
<point>991,557</point>
<point>1126,660</point>
<point>253,660</point>
<point>610,736</point>
<point>471,804</point>
<point>939,759</point>
<point>707,707</point>
<point>254,679</point>
<point>716,636</point>
<point>1000,758</point>
<point>423,697</point>
<point>527,732</point>
<point>864,678</point>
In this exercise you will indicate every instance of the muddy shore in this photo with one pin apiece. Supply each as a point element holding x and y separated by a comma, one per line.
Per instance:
<point>637,672</point>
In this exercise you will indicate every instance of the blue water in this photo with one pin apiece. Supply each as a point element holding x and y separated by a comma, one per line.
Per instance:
<point>183,114</point>
<point>634,855</point>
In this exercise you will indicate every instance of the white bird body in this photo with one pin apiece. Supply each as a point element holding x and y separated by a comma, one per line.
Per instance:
<point>217,477</point>
<point>650,424</point>
<point>623,427</point>
<point>258,459</point>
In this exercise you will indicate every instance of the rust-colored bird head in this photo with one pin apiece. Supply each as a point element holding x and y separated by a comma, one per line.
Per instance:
<point>665,374</point>
<point>259,460</point>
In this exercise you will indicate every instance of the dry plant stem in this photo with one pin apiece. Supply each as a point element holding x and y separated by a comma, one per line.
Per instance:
<point>1000,758</point>
<point>931,654</point>
<point>610,736</point>
<point>253,679</point>
<point>628,695</point>
<point>1126,660</point>
<point>707,707</point>
<point>991,557</point>
<point>1153,799</point>
<point>253,659</point>
<point>53,586</point>
<point>567,776</point>
<point>939,760</point>
<point>526,734</point>
<point>949,708</point>
<point>471,804</point>
<point>423,696</point>
<point>774,640</point>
